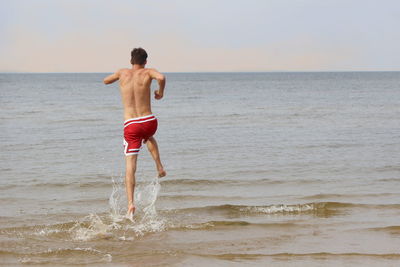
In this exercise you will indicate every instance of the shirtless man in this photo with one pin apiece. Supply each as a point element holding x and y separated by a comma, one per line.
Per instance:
<point>140,124</point>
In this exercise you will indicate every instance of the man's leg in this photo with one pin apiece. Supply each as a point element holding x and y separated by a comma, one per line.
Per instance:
<point>130,182</point>
<point>153,148</point>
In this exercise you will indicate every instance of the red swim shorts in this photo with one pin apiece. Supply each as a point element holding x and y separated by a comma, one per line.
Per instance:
<point>136,131</point>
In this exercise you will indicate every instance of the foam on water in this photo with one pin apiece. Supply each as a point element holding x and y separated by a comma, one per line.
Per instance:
<point>280,209</point>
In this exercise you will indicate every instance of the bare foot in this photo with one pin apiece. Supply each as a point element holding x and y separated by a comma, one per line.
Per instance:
<point>131,211</point>
<point>161,173</point>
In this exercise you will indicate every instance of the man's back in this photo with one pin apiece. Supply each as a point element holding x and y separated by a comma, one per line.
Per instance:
<point>135,89</point>
<point>135,92</point>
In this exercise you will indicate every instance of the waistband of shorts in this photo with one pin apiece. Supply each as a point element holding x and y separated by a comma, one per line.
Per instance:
<point>140,119</point>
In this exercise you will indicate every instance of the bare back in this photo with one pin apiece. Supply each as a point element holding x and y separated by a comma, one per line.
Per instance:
<point>135,92</point>
<point>135,89</point>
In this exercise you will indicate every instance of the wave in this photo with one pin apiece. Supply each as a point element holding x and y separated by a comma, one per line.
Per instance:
<point>105,182</point>
<point>267,209</point>
<point>333,145</point>
<point>83,201</point>
<point>320,209</point>
<point>325,196</point>
<point>109,225</point>
<point>94,227</point>
<point>95,181</point>
<point>94,184</point>
<point>196,197</point>
<point>8,186</point>
<point>320,255</point>
<point>74,256</point>
<point>8,253</point>
<point>389,179</point>
<point>312,208</point>
<point>115,226</point>
<point>193,182</point>
<point>86,121</point>
<point>228,224</point>
<point>393,229</point>
<point>264,181</point>
<point>388,168</point>
<point>87,255</point>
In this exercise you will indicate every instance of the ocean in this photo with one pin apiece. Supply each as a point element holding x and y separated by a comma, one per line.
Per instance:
<point>264,169</point>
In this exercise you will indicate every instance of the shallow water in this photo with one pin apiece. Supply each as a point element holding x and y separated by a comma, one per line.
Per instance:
<point>287,169</point>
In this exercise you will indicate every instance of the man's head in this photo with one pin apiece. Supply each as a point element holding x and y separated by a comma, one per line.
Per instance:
<point>138,56</point>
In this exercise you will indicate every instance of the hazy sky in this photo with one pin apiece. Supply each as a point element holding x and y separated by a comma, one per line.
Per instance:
<point>202,35</point>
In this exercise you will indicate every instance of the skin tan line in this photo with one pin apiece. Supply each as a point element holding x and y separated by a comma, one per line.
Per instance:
<point>135,92</point>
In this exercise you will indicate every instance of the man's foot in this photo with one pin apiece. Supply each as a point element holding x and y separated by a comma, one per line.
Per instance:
<point>131,211</point>
<point>161,173</point>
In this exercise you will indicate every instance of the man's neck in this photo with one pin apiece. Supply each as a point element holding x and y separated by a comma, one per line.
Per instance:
<point>137,67</point>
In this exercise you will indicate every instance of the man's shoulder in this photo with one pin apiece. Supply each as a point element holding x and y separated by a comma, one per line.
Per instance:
<point>123,73</point>
<point>123,70</point>
<point>151,72</point>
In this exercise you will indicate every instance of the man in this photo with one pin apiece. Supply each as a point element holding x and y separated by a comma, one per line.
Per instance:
<point>140,124</point>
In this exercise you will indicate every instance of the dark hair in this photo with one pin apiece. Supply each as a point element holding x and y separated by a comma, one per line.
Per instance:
<point>138,56</point>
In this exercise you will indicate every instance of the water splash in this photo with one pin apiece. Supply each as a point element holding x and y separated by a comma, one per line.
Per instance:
<point>146,194</point>
<point>116,198</point>
<point>90,228</point>
<point>146,197</point>
<point>144,220</point>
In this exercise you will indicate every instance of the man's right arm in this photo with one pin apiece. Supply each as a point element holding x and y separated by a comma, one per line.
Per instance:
<point>111,78</point>
<point>154,74</point>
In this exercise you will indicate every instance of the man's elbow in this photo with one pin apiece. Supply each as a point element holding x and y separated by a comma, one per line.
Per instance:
<point>105,81</point>
<point>162,78</point>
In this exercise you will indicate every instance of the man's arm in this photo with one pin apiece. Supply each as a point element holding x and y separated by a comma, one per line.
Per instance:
<point>154,74</point>
<point>111,78</point>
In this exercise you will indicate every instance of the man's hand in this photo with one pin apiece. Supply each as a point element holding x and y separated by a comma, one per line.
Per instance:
<point>158,95</point>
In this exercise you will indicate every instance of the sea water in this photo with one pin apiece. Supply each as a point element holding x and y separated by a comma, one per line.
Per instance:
<point>286,169</point>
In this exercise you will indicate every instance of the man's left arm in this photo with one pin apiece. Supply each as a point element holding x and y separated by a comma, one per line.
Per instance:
<point>111,78</point>
<point>154,74</point>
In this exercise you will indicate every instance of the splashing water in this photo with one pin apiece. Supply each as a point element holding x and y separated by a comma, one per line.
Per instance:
<point>91,227</point>
<point>144,220</point>
<point>115,201</point>
<point>146,197</point>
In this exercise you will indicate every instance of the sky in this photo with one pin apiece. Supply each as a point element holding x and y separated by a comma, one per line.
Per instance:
<point>200,35</point>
